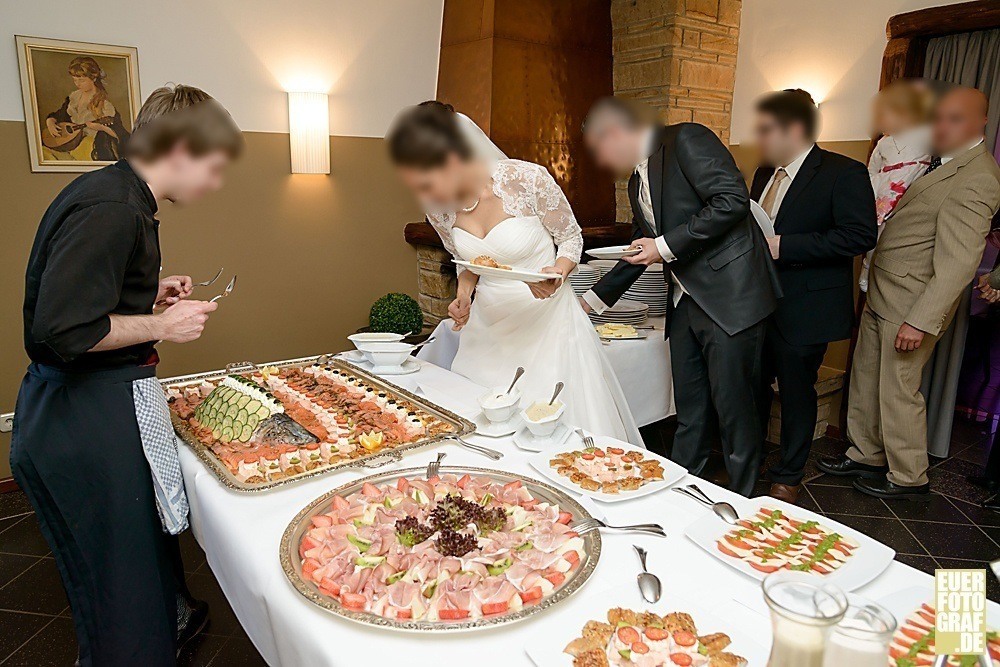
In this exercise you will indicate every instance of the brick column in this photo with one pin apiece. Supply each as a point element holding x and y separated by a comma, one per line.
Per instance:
<point>436,283</point>
<point>678,56</point>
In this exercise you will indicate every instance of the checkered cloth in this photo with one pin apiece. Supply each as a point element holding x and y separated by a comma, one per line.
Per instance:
<point>160,447</point>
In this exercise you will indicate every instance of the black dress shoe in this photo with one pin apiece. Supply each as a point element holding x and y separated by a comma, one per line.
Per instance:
<point>992,504</point>
<point>987,483</point>
<point>843,466</point>
<point>886,490</point>
<point>191,622</point>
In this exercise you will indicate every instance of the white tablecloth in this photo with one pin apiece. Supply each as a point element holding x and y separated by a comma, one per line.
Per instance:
<point>240,533</point>
<point>642,367</point>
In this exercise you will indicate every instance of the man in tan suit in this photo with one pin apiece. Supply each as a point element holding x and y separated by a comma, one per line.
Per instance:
<point>926,257</point>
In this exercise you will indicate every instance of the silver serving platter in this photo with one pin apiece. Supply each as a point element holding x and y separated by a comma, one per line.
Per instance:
<point>459,425</point>
<point>291,562</point>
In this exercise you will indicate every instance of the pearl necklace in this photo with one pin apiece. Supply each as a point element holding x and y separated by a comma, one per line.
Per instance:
<point>470,209</point>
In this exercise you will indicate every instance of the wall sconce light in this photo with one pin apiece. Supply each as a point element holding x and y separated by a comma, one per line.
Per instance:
<point>309,132</point>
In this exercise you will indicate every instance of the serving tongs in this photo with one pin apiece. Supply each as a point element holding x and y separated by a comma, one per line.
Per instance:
<point>208,282</point>
<point>225,292</point>
<point>592,524</point>
<point>479,449</point>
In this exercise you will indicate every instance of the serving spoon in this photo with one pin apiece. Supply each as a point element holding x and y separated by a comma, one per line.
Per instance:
<point>723,510</point>
<point>649,583</point>
<point>517,376</point>
<point>559,388</point>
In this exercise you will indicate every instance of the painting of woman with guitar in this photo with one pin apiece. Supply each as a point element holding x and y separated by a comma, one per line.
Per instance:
<point>87,126</point>
<point>80,100</point>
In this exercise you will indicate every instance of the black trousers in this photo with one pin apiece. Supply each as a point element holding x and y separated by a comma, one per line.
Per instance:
<point>77,454</point>
<point>716,388</point>
<point>795,367</point>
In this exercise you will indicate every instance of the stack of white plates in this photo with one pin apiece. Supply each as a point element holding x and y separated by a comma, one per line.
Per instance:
<point>650,290</point>
<point>602,265</point>
<point>623,312</point>
<point>583,278</point>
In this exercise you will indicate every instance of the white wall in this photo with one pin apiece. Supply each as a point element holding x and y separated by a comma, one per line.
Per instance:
<point>832,49</point>
<point>372,57</point>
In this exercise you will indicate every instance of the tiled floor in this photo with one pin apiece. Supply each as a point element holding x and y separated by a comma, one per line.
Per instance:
<point>35,625</point>
<point>949,531</point>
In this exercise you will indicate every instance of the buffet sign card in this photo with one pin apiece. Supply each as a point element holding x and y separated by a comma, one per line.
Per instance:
<point>960,601</point>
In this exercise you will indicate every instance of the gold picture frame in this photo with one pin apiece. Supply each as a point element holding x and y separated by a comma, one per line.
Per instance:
<point>80,101</point>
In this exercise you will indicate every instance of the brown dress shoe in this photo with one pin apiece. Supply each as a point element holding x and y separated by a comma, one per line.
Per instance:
<point>785,492</point>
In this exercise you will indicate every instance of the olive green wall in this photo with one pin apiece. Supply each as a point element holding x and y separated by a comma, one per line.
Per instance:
<point>312,253</point>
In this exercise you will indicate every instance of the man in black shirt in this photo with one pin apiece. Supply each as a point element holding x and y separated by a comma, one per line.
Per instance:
<point>108,495</point>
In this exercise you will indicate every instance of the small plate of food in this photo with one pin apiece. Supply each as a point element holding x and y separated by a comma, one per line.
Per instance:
<point>913,642</point>
<point>671,633</point>
<point>488,267</point>
<point>614,252</point>
<point>772,535</point>
<point>618,331</point>
<point>610,471</point>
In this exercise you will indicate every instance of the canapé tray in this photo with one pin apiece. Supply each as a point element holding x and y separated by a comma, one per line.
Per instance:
<point>440,424</point>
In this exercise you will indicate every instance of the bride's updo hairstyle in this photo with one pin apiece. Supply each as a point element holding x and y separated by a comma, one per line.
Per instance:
<point>425,135</point>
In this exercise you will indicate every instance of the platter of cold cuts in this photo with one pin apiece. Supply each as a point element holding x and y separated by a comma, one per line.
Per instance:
<point>468,549</point>
<point>259,427</point>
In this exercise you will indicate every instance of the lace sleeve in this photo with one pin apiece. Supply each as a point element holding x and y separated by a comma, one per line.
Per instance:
<point>442,224</point>
<point>554,211</point>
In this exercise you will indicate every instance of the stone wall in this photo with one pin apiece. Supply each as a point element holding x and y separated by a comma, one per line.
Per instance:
<point>678,56</point>
<point>436,283</point>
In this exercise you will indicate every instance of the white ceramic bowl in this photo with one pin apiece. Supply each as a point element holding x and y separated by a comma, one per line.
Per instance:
<point>502,409</point>
<point>388,355</point>
<point>371,341</point>
<point>544,427</point>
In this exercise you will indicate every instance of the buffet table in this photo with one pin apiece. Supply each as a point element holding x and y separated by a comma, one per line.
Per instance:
<point>240,533</point>
<point>642,367</point>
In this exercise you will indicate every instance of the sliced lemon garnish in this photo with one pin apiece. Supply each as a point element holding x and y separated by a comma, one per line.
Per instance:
<point>371,441</point>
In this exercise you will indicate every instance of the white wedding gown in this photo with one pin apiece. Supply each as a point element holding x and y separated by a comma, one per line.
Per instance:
<point>553,339</point>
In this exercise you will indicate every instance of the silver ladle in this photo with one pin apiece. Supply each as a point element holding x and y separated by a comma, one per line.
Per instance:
<point>724,510</point>
<point>649,583</point>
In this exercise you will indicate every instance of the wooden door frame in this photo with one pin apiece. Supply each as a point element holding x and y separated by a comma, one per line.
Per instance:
<point>909,33</point>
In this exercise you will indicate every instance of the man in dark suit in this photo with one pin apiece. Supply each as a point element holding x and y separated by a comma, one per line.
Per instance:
<point>823,210</point>
<point>690,211</point>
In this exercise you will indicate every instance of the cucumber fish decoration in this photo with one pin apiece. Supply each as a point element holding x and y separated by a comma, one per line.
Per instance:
<point>243,411</point>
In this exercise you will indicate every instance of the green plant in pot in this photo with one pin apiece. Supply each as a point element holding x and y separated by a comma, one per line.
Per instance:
<point>396,313</point>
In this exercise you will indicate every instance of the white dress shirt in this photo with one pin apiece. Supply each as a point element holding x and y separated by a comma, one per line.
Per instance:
<point>645,197</point>
<point>791,170</point>
<point>945,159</point>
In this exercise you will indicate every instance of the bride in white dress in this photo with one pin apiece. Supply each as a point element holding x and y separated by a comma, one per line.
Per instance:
<point>482,203</point>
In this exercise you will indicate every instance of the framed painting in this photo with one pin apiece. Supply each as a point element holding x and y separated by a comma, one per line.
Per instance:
<point>80,101</point>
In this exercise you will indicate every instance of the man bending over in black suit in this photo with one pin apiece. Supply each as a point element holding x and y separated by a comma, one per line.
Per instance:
<point>823,210</point>
<point>690,210</point>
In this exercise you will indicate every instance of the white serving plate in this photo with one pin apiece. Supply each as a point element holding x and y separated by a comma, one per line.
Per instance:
<point>514,273</point>
<point>614,252</point>
<point>905,601</point>
<point>526,440</point>
<point>640,334</point>
<point>411,365</point>
<point>545,646</point>
<point>497,429</point>
<point>870,559</point>
<point>672,473</point>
